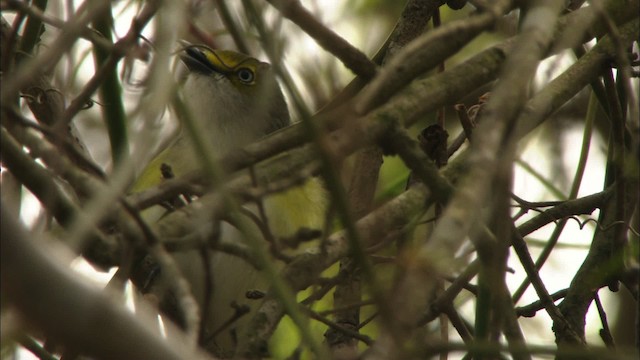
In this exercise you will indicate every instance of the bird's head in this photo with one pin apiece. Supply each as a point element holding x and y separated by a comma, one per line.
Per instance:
<point>235,96</point>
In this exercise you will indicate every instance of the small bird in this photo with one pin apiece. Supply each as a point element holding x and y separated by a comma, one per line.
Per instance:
<point>237,101</point>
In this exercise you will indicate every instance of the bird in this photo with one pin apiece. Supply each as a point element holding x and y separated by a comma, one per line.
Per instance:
<point>237,101</point>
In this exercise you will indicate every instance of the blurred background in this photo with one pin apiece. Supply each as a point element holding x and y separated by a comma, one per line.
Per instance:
<point>545,169</point>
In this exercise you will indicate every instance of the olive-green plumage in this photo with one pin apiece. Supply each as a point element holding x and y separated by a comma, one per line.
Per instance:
<point>237,101</point>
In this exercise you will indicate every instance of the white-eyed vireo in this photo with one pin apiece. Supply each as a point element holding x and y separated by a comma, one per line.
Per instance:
<point>237,101</point>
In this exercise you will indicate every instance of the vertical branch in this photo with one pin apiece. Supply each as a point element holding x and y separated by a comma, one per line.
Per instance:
<point>366,170</point>
<point>604,263</point>
<point>232,26</point>
<point>32,32</point>
<point>111,94</point>
<point>573,194</point>
<point>618,148</point>
<point>491,147</point>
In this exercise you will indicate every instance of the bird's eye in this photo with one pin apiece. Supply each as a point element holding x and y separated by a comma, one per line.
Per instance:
<point>245,75</point>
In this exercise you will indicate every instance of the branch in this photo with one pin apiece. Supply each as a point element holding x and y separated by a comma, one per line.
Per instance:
<point>423,53</point>
<point>353,58</point>
<point>101,249</point>
<point>73,307</point>
<point>302,271</point>
<point>582,206</point>
<point>45,62</point>
<point>600,266</point>
<point>366,168</point>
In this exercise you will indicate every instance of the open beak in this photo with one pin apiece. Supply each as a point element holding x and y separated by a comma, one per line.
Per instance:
<point>196,60</point>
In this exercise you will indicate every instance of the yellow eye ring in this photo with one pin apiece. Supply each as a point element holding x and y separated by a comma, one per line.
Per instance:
<point>245,75</point>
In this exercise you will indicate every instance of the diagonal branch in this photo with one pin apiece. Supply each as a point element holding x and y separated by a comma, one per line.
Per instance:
<point>353,58</point>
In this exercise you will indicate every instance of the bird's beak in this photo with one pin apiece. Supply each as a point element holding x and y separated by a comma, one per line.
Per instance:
<point>196,60</point>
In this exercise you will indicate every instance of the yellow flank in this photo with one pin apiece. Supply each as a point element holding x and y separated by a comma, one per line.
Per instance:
<point>302,206</point>
<point>287,212</point>
<point>178,156</point>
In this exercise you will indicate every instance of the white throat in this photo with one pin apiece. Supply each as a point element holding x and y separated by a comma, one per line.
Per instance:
<point>228,117</point>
